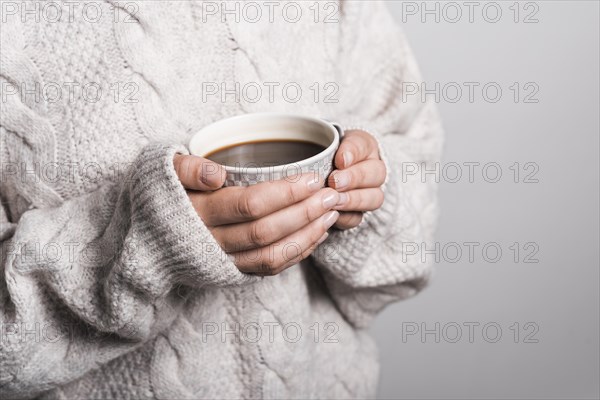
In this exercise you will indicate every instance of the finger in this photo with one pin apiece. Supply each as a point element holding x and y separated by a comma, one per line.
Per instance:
<point>366,174</point>
<point>356,146</point>
<point>360,200</point>
<point>267,230</point>
<point>197,173</point>
<point>348,220</point>
<point>273,259</point>
<point>240,204</point>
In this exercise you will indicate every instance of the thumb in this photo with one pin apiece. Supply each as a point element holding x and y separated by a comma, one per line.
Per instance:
<point>197,173</point>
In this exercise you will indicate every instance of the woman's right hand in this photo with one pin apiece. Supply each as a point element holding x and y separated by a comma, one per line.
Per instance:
<point>266,227</point>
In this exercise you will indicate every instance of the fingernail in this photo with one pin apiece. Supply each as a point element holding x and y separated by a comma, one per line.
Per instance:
<point>330,200</point>
<point>343,199</point>
<point>322,238</point>
<point>330,218</point>
<point>348,158</point>
<point>211,181</point>
<point>314,184</point>
<point>209,169</point>
<point>341,179</point>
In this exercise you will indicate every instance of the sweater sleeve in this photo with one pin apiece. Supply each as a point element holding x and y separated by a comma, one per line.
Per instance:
<point>379,261</point>
<point>96,276</point>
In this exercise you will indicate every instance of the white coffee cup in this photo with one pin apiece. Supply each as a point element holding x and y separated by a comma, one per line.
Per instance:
<point>269,126</point>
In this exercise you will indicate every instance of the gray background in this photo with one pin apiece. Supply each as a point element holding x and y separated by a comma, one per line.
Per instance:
<point>560,213</point>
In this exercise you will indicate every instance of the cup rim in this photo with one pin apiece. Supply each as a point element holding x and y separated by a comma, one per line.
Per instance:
<point>278,168</point>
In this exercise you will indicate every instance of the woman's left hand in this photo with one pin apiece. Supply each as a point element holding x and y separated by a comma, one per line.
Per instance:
<point>359,175</point>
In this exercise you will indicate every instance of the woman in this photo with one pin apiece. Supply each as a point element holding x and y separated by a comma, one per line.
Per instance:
<point>129,273</point>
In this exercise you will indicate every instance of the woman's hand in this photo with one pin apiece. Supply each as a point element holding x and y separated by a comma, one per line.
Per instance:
<point>267,227</point>
<point>359,176</point>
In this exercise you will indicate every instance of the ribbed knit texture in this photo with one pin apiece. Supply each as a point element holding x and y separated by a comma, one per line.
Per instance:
<point>112,286</point>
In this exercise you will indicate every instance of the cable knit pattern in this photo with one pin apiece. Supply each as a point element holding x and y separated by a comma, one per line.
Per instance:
<point>112,287</point>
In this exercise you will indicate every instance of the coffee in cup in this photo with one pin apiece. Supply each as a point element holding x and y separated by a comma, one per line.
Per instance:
<point>261,147</point>
<point>265,153</point>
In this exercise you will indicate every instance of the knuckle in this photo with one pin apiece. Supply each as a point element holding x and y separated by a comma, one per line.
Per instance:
<point>268,267</point>
<point>361,175</point>
<point>361,140</point>
<point>238,262</point>
<point>249,206</point>
<point>289,193</point>
<point>260,232</point>
<point>352,202</point>
<point>308,214</point>
<point>362,201</point>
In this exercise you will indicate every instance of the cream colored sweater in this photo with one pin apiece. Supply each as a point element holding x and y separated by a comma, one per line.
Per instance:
<point>111,286</point>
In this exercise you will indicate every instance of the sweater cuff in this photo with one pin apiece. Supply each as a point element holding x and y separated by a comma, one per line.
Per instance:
<point>177,239</point>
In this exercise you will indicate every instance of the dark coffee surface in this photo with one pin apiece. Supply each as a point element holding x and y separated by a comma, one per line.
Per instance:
<point>269,153</point>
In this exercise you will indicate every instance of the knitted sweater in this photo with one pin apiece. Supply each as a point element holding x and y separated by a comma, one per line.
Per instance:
<point>111,285</point>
